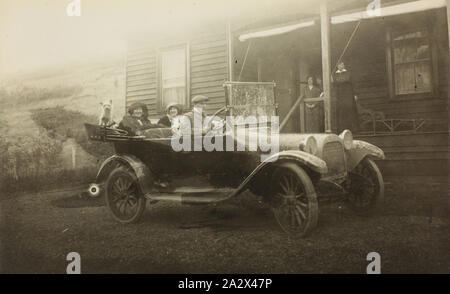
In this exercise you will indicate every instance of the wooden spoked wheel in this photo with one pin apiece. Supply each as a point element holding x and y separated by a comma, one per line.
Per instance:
<point>123,197</point>
<point>293,199</point>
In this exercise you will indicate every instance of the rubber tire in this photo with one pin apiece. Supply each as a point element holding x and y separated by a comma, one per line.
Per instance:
<point>377,201</point>
<point>108,197</point>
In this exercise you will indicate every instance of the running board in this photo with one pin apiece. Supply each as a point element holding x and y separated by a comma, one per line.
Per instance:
<point>193,195</point>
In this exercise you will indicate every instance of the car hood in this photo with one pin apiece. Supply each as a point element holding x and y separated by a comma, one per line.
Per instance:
<point>292,141</point>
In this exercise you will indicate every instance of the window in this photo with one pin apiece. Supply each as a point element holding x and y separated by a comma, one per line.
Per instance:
<point>173,76</point>
<point>412,72</point>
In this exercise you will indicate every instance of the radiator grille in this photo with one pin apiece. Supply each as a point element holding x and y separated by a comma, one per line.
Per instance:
<point>333,155</point>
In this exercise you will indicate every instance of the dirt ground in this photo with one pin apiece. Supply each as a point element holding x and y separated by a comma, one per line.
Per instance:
<point>37,231</point>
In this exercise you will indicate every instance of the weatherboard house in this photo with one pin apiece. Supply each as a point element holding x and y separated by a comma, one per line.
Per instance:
<point>397,52</point>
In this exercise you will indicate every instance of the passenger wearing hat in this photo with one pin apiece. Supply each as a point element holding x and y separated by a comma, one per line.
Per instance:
<point>172,110</point>
<point>137,119</point>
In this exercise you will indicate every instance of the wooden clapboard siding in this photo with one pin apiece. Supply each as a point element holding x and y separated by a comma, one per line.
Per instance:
<point>141,87</point>
<point>141,77</point>
<point>208,69</point>
<point>132,77</point>
<point>141,72</point>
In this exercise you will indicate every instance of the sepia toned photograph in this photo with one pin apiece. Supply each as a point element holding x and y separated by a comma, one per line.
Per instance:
<point>224,137</point>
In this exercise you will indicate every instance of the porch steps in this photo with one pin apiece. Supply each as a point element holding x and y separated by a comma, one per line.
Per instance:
<point>412,154</point>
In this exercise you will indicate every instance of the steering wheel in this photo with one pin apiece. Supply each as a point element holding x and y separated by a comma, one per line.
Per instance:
<point>222,109</point>
<point>222,125</point>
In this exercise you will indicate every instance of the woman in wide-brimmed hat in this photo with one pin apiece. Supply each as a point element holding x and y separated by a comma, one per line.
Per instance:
<point>137,119</point>
<point>172,110</point>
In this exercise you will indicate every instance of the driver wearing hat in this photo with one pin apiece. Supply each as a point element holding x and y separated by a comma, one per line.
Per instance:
<point>199,103</point>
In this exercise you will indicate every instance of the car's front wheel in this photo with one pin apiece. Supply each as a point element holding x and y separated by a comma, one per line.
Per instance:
<point>366,187</point>
<point>293,199</point>
<point>123,197</point>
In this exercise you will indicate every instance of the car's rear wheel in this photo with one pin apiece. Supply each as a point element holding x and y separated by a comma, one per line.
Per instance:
<point>123,196</point>
<point>366,187</point>
<point>293,199</point>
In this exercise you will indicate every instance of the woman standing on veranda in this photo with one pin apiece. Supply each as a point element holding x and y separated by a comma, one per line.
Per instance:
<point>314,112</point>
<point>347,116</point>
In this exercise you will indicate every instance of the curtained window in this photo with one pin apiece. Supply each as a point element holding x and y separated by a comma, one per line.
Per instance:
<point>173,76</point>
<point>412,71</point>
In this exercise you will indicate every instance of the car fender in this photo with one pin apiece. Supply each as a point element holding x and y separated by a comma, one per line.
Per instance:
<point>143,174</point>
<point>303,159</point>
<point>359,151</point>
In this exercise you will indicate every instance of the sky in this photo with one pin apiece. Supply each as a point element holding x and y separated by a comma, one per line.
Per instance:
<point>37,34</point>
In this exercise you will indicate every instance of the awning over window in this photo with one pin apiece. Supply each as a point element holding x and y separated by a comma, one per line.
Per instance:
<point>275,31</point>
<point>409,7</point>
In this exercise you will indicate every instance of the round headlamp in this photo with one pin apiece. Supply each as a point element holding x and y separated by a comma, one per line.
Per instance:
<point>309,145</point>
<point>347,139</point>
<point>94,190</point>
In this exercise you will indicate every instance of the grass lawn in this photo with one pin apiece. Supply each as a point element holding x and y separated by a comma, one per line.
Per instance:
<point>238,237</point>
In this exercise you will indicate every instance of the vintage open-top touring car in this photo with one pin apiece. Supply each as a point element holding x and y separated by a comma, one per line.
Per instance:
<point>286,180</point>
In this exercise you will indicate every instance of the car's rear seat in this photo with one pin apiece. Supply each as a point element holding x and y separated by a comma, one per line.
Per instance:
<point>158,133</point>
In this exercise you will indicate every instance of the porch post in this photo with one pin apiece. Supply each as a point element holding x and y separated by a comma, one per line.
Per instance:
<point>448,19</point>
<point>230,52</point>
<point>326,61</point>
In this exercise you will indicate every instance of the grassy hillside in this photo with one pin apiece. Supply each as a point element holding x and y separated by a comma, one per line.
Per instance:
<point>42,114</point>
<point>78,87</point>
<point>65,124</point>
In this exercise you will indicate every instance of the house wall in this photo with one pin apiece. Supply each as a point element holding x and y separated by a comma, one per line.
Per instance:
<point>244,67</point>
<point>207,69</point>
<point>141,77</point>
<point>366,59</point>
<point>420,154</point>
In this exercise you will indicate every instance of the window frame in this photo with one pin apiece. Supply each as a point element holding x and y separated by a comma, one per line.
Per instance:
<point>391,66</point>
<point>159,99</point>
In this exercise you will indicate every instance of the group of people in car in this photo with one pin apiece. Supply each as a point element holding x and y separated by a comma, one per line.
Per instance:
<point>136,121</point>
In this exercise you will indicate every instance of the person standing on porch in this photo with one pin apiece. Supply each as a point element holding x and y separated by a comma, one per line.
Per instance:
<point>314,112</point>
<point>347,116</point>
